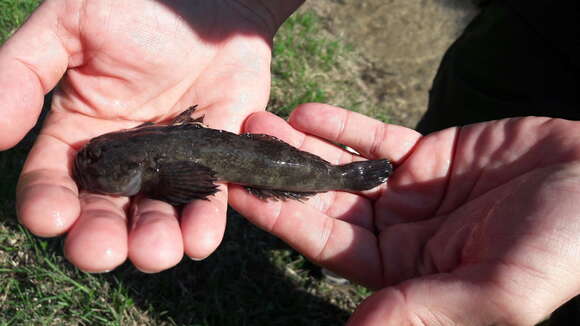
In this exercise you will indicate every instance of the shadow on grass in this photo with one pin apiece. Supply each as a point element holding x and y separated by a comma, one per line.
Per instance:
<point>243,283</point>
<point>238,285</point>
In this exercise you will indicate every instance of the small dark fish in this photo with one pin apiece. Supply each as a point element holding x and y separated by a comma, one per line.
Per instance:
<point>180,162</point>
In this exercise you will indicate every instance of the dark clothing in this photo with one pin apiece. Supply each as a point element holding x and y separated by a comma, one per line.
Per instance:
<point>516,58</point>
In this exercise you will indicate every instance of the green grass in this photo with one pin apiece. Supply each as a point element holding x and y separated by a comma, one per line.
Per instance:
<point>12,14</point>
<point>310,65</point>
<point>41,289</point>
<point>252,279</point>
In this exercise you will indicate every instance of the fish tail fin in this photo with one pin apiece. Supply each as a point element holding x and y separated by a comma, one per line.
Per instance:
<point>364,175</point>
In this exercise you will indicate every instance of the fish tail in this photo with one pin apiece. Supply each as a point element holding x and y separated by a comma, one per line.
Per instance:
<point>365,175</point>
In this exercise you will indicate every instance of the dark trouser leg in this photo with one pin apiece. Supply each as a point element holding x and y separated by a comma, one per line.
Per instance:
<point>501,67</point>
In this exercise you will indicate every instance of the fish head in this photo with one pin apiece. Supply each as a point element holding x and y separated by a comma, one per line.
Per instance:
<point>108,167</point>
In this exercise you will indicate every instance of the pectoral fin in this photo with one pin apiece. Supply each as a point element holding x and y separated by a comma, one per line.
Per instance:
<point>181,182</point>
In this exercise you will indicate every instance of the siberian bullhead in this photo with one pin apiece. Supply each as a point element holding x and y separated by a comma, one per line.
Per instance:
<point>181,162</point>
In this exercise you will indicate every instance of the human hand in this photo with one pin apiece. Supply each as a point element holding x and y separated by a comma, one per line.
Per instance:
<point>127,62</point>
<point>478,225</point>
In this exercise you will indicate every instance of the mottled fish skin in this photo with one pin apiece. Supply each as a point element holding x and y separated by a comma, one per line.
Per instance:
<point>180,162</point>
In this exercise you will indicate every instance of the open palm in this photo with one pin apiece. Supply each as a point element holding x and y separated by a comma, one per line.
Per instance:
<point>126,62</point>
<point>478,225</point>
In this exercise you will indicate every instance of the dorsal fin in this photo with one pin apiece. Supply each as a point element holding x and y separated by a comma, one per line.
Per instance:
<point>185,117</point>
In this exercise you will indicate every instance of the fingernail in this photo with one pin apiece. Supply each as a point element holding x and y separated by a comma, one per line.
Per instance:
<point>95,272</point>
<point>197,259</point>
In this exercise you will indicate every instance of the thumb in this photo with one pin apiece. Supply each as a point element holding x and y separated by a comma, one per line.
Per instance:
<point>443,300</point>
<point>31,63</point>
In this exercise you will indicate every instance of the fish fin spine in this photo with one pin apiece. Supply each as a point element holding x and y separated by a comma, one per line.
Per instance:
<point>184,118</point>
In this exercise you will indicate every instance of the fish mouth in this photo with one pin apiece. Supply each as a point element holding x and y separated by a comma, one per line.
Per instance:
<point>88,178</point>
<point>76,173</point>
<point>82,175</point>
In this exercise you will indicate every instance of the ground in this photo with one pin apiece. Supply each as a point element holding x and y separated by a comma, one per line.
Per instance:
<point>375,56</point>
<point>400,44</point>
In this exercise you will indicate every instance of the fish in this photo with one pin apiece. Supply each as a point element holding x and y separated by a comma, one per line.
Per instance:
<point>182,161</point>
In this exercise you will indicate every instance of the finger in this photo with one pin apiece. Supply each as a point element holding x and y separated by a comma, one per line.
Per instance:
<point>155,242</point>
<point>467,298</point>
<point>348,207</point>
<point>371,138</point>
<point>97,242</point>
<point>227,114</point>
<point>203,224</point>
<point>345,248</point>
<point>47,197</point>
<point>243,69</point>
<point>268,123</point>
<point>430,301</point>
<point>418,186</point>
<point>345,206</point>
<point>31,63</point>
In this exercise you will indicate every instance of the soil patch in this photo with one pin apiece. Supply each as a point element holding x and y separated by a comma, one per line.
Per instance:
<point>400,44</point>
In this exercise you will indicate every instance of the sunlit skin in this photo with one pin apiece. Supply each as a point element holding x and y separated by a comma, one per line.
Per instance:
<point>478,225</point>
<point>127,62</point>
